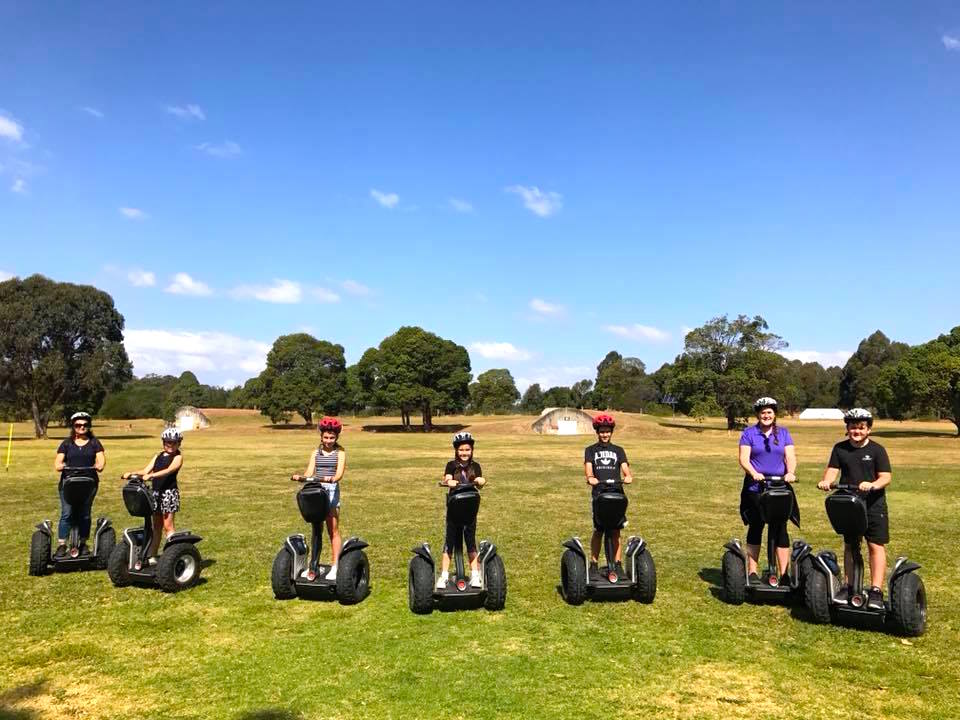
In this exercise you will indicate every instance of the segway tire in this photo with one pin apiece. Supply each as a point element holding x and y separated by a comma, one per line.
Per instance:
<point>573,578</point>
<point>420,586</point>
<point>734,578</point>
<point>645,584</point>
<point>281,576</point>
<point>353,577</point>
<point>908,604</point>
<point>178,568</point>
<point>39,553</point>
<point>105,545</point>
<point>118,564</point>
<point>495,575</point>
<point>816,595</point>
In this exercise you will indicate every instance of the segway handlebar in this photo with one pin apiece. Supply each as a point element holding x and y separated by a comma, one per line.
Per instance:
<point>776,479</point>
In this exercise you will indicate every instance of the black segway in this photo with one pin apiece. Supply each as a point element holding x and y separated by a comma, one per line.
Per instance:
<point>462,506</point>
<point>78,485</point>
<point>776,507</point>
<point>179,564</point>
<point>640,581</point>
<point>295,574</point>
<point>905,610</point>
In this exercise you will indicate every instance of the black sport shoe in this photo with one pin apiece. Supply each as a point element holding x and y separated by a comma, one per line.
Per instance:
<point>82,548</point>
<point>618,569</point>
<point>60,552</point>
<point>843,594</point>
<point>785,580</point>
<point>754,579</point>
<point>875,599</point>
<point>594,570</point>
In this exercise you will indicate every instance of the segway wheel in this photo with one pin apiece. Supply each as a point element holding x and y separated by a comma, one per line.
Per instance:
<point>495,575</point>
<point>281,576</point>
<point>353,577</point>
<point>105,545</point>
<point>39,553</point>
<point>420,586</point>
<point>816,595</point>
<point>118,564</point>
<point>178,567</point>
<point>645,584</point>
<point>908,604</point>
<point>734,578</point>
<point>573,578</point>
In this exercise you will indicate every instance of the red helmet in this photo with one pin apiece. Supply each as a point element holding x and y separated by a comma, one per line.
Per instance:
<point>604,421</point>
<point>329,424</point>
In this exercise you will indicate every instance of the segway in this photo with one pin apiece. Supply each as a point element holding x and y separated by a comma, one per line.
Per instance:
<point>179,564</point>
<point>640,578</point>
<point>462,506</point>
<point>776,507</point>
<point>297,575</point>
<point>78,485</point>
<point>906,609</point>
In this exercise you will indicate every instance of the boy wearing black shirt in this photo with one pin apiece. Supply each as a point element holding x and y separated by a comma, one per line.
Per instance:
<point>603,461</point>
<point>863,466</point>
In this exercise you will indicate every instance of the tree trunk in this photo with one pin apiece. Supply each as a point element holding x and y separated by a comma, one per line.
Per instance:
<point>731,422</point>
<point>39,420</point>
<point>427,418</point>
<point>307,417</point>
<point>405,418</point>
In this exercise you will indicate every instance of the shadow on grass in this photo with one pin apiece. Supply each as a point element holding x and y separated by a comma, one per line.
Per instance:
<point>412,429</point>
<point>914,434</point>
<point>269,714</point>
<point>290,426</point>
<point>714,576</point>
<point>207,562</point>
<point>111,438</point>
<point>693,428</point>
<point>16,695</point>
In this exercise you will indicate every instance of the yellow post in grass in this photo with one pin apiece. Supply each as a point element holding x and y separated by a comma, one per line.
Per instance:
<point>9,445</point>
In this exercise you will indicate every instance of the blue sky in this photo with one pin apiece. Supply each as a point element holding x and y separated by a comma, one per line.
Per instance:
<point>541,182</point>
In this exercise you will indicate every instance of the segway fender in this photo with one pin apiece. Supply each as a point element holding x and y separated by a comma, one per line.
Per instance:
<point>486,552</point>
<point>800,551</point>
<point>635,546</point>
<point>352,545</point>
<point>184,536</point>
<point>577,546</point>
<point>901,567</point>
<point>423,550</point>
<point>737,549</point>
<point>45,528</point>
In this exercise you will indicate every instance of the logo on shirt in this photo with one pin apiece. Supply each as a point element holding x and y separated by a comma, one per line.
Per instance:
<point>866,458</point>
<point>605,457</point>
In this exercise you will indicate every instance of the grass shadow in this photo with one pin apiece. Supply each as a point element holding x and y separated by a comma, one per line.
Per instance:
<point>207,562</point>
<point>289,426</point>
<point>269,714</point>
<point>412,429</point>
<point>714,576</point>
<point>917,434</point>
<point>692,428</point>
<point>18,694</point>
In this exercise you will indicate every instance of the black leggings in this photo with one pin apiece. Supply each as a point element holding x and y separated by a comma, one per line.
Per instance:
<point>753,519</point>
<point>457,534</point>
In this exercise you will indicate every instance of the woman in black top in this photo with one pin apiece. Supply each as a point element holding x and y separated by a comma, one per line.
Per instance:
<point>462,470</point>
<point>162,471</point>
<point>80,450</point>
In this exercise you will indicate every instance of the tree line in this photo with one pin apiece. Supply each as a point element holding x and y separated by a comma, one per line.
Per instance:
<point>61,349</point>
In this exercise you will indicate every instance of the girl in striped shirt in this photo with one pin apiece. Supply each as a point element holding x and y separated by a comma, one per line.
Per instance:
<point>326,465</point>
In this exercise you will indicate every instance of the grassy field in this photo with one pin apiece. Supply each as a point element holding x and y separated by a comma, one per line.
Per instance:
<point>76,647</point>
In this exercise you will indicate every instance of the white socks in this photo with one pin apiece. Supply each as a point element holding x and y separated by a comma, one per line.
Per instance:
<point>332,575</point>
<point>442,580</point>
<point>475,579</point>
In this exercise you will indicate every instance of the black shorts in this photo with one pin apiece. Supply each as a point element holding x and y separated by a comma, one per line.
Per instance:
<point>878,524</point>
<point>753,519</point>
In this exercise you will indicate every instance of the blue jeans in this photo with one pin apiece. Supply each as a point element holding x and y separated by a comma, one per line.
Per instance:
<point>78,515</point>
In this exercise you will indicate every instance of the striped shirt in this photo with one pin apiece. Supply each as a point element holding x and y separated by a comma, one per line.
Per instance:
<point>326,465</point>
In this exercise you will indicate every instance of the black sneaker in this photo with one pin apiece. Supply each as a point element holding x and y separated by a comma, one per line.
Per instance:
<point>754,579</point>
<point>843,594</point>
<point>785,580</point>
<point>618,569</point>
<point>60,552</point>
<point>82,548</point>
<point>594,570</point>
<point>875,599</point>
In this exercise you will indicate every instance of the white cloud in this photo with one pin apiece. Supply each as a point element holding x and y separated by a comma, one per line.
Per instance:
<point>187,112</point>
<point>461,206</point>
<point>545,308</point>
<point>92,111</point>
<point>543,204</point>
<point>183,284</point>
<point>10,128</point>
<point>282,291</point>
<point>141,278</point>
<point>226,149</point>
<point>354,288</point>
<point>387,200</point>
<point>638,332</point>
<point>951,43</point>
<point>827,359</point>
<point>133,213</point>
<point>19,186</point>
<point>499,351</point>
<point>173,351</point>
<point>324,295</point>
<point>548,377</point>
<point>4,275</point>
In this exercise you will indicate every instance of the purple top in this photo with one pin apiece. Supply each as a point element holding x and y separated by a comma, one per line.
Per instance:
<point>766,455</point>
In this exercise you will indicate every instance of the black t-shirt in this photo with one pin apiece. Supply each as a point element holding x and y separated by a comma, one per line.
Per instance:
<point>860,464</point>
<point>81,456</point>
<point>162,463</point>
<point>606,461</point>
<point>460,472</point>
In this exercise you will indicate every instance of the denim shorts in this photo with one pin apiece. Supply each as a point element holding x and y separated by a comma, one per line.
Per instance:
<point>333,492</point>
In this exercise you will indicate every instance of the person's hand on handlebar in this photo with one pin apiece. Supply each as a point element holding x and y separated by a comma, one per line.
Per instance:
<point>297,478</point>
<point>825,485</point>
<point>790,478</point>
<point>757,476</point>
<point>865,486</point>
<point>448,483</point>
<point>592,481</point>
<point>627,479</point>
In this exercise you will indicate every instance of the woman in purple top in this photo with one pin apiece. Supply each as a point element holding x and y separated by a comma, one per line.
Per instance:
<point>765,449</point>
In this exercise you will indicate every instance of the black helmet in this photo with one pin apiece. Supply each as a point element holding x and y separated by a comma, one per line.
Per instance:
<point>462,438</point>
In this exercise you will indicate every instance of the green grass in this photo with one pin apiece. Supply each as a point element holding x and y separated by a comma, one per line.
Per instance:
<point>75,646</point>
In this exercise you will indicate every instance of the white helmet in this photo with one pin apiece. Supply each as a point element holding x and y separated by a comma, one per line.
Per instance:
<point>81,416</point>
<point>764,402</point>
<point>854,415</point>
<point>462,438</point>
<point>171,434</point>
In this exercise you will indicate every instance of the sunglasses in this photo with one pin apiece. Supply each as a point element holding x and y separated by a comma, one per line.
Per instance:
<point>81,425</point>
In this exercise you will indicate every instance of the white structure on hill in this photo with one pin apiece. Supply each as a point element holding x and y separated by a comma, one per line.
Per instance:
<point>190,418</point>
<point>821,414</point>
<point>563,421</point>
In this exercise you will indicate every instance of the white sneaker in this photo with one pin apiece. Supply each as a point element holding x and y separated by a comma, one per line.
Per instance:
<point>476,580</point>
<point>442,581</point>
<point>332,575</point>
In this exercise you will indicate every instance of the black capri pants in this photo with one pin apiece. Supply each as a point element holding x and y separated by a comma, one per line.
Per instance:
<point>455,534</point>
<point>753,519</point>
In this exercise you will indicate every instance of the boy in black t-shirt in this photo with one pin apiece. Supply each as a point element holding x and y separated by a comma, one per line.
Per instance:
<point>863,466</point>
<point>604,461</point>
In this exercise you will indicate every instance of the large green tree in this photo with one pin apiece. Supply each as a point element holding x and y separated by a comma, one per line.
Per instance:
<point>618,378</point>
<point>416,370</point>
<point>858,381</point>
<point>532,400</point>
<point>303,375</point>
<point>61,348</point>
<point>494,391</point>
